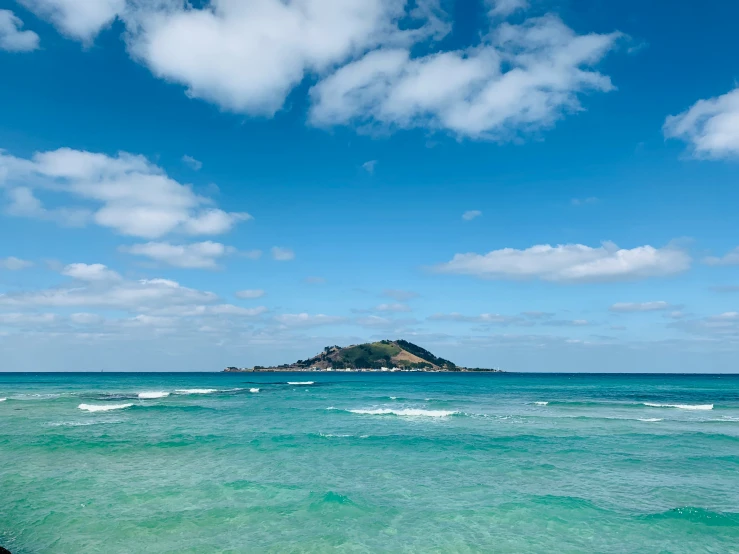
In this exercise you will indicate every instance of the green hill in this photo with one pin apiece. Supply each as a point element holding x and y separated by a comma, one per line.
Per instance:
<point>376,355</point>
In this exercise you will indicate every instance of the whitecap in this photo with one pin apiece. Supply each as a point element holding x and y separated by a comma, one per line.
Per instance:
<point>254,390</point>
<point>301,382</point>
<point>149,395</point>
<point>407,412</point>
<point>103,407</point>
<point>681,406</point>
<point>191,391</point>
<point>541,403</point>
<point>650,419</point>
<point>393,398</point>
<point>3,399</point>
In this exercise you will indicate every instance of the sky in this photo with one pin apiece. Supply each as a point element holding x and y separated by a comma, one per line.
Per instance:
<point>541,185</point>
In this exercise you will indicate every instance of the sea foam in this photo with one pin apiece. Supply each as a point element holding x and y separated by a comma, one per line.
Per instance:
<point>541,403</point>
<point>254,390</point>
<point>407,412</point>
<point>301,382</point>
<point>3,399</point>
<point>149,395</point>
<point>103,407</point>
<point>189,391</point>
<point>681,406</point>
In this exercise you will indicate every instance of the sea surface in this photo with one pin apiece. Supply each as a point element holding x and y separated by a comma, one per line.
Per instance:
<point>285,462</point>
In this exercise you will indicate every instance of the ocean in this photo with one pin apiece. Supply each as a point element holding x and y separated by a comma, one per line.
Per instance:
<point>285,462</point>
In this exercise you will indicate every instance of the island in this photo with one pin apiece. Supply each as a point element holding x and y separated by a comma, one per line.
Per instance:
<point>384,355</point>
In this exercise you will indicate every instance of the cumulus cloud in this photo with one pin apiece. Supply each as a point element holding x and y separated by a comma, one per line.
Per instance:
<point>250,293</point>
<point>571,263</point>
<point>719,326</point>
<point>487,319</point>
<point>78,19</point>
<point>369,166</point>
<point>282,254</point>
<point>730,258</point>
<point>471,214</point>
<point>197,165</point>
<point>198,255</point>
<point>90,272</point>
<point>14,264</point>
<point>132,196</point>
<point>655,306</point>
<point>520,79</point>
<point>710,127</point>
<point>12,39</point>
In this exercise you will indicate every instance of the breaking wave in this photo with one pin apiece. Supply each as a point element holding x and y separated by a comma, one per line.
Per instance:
<point>301,382</point>
<point>541,403</point>
<point>406,412</point>
<point>254,389</point>
<point>149,395</point>
<point>193,391</point>
<point>681,406</point>
<point>103,407</point>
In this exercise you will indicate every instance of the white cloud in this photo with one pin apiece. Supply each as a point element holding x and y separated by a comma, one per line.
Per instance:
<point>133,196</point>
<point>143,295</point>
<point>571,263</point>
<point>197,165</point>
<point>79,19</point>
<point>395,307</point>
<point>520,79</point>
<point>198,255</point>
<point>369,166</point>
<point>503,8</point>
<point>14,264</point>
<point>566,322</point>
<point>26,319</point>
<point>247,56</point>
<point>282,254</point>
<point>250,293</point>
<point>307,320</point>
<point>471,214</point>
<point>12,39</point>
<point>710,127</point>
<point>85,318</point>
<point>730,258</point>
<point>641,306</point>
<point>90,272</point>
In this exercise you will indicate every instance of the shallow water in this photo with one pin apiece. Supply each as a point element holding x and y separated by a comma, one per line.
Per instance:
<point>200,463</point>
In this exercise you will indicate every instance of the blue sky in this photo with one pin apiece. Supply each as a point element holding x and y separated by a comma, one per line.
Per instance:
<point>536,186</point>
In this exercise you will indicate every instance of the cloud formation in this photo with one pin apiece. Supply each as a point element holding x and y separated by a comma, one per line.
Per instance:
<point>197,165</point>
<point>12,39</point>
<point>12,263</point>
<point>730,258</point>
<point>471,214</point>
<point>130,195</point>
<point>250,293</point>
<point>710,127</point>
<point>198,255</point>
<point>625,307</point>
<point>570,263</point>
<point>78,19</point>
<point>282,254</point>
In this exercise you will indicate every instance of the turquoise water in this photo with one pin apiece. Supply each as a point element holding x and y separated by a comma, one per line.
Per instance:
<point>368,463</point>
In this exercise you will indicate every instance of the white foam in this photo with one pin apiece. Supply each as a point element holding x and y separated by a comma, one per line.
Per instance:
<point>393,398</point>
<point>681,406</point>
<point>149,395</point>
<point>103,407</point>
<point>193,391</point>
<point>3,399</point>
<point>254,390</point>
<point>301,382</point>
<point>407,412</point>
<point>650,419</point>
<point>541,403</point>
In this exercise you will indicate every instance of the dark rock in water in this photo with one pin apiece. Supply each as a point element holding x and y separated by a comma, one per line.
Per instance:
<point>4,551</point>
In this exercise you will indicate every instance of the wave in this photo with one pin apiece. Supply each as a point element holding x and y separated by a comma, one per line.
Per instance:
<point>191,391</point>
<point>3,399</point>
<point>149,395</point>
<point>301,382</point>
<point>650,419</point>
<point>541,403</point>
<point>697,515</point>
<point>681,406</point>
<point>103,407</point>
<point>406,412</point>
<point>254,389</point>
